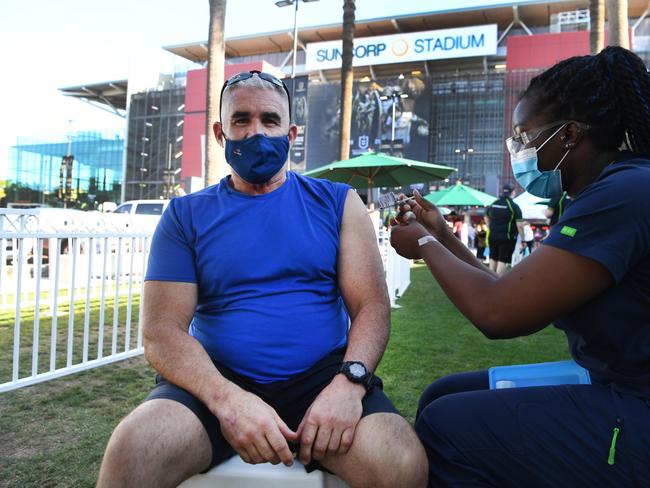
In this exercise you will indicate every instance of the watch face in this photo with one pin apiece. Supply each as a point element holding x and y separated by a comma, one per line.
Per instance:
<point>357,370</point>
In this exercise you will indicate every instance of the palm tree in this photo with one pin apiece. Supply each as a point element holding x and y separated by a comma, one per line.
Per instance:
<point>215,163</point>
<point>346,78</point>
<point>618,25</point>
<point>597,19</point>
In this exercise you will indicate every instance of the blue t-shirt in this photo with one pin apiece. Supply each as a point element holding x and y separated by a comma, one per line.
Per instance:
<point>269,305</point>
<point>609,222</point>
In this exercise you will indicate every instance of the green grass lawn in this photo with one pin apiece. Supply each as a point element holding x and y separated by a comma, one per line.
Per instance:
<point>7,320</point>
<point>430,339</point>
<point>54,433</point>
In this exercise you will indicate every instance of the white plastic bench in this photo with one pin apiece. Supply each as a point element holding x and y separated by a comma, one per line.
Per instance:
<point>235,473</point>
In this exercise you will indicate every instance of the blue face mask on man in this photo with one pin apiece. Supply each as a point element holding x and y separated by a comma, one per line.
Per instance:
<point>524,162</point>
<point>257,158</point>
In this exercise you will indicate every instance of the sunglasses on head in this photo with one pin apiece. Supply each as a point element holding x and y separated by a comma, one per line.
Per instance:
<point>244,75</point>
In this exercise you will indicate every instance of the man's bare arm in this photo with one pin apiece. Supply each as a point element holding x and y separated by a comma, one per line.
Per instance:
<point>329,425</point>
<point>249,425</point>
<point>168,308</point>
<point>363,286</point>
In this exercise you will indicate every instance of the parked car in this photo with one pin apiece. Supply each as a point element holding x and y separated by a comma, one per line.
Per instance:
<point>142,207</point>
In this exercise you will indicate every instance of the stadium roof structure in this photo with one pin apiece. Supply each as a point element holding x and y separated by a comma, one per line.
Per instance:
<point>532,14</point>
<point>107,95</point>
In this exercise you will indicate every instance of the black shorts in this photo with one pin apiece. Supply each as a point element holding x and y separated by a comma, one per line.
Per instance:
<point>290,399</point>
<point>502,250</point>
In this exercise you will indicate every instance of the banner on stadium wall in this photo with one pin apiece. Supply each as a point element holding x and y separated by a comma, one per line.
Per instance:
<point>372,127</point>
<point>460,42</point>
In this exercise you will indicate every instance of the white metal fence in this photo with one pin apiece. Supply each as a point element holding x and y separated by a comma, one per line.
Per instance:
<point>70,288</point>
<point>69,299</point>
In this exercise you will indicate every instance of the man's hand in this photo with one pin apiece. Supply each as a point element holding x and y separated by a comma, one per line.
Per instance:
<point>253,429</point>
<point>404,238</point>
<point>427,214</point>
<point>329,424</point>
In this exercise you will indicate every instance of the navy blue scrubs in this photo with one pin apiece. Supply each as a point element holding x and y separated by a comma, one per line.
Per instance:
<point>569,435</point>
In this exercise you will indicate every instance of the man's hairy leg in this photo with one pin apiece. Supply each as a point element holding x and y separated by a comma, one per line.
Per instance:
<point>385,453</point>
<point>161,443</point>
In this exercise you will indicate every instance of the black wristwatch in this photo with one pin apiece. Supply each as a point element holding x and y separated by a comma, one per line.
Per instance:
<point>357,372</point>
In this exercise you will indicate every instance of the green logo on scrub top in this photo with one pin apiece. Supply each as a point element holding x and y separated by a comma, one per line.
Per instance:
<point>568,231</point>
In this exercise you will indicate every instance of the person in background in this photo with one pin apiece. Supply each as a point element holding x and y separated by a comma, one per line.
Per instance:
<point>471,235</point>
<point>503,218</point>
<point>591,278</point>
<point>481,240</point>
<point>528,241</point>
<point>458,227</point>
<point>540,234</point>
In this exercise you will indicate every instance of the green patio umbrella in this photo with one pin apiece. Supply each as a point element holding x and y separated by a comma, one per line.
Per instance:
<point>460,195</point>
<point>377,169</point>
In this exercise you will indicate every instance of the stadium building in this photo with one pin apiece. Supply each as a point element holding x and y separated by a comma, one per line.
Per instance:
<point>436,85</point>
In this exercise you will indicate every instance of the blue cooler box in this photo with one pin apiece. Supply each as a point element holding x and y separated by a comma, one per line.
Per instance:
<point>542,374</point>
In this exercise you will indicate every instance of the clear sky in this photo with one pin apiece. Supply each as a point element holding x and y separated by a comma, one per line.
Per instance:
<point>49,44</point>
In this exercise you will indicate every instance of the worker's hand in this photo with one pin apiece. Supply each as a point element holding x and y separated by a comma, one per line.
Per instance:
<point>253,429</point>
<point>404,238</point>
<point>329,424</point>
<point>426,214</point>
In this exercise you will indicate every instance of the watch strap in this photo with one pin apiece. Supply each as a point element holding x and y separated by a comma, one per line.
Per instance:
<point>366,380</point>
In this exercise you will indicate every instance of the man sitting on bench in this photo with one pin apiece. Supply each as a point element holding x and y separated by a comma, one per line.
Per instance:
<point>250,289</point>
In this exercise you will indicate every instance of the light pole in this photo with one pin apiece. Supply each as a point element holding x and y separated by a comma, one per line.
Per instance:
<point>395,96</point>
<point>464,152</point>
<point>286,3</point>
<point>467,164</point>
<point>68,160</point>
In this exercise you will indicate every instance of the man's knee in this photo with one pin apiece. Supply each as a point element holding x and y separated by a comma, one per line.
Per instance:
<point>385,453</point>
<point>157,435</point>
<point>408,462</point>
<point>128,440</point>
<point>404,462</point>
<point>124,456</point>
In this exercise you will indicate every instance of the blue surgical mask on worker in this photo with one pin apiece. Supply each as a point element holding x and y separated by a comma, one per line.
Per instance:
<point>524,162</point>
<point>257,158</point>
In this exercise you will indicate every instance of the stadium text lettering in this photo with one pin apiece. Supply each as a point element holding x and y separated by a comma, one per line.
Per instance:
<point>362,51</point>
<point>449,43</point>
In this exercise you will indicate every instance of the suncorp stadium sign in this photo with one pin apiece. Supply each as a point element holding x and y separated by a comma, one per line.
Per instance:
<point>415,46</point>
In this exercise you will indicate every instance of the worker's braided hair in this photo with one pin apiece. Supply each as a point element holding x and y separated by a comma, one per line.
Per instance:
<point>609,91</point>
